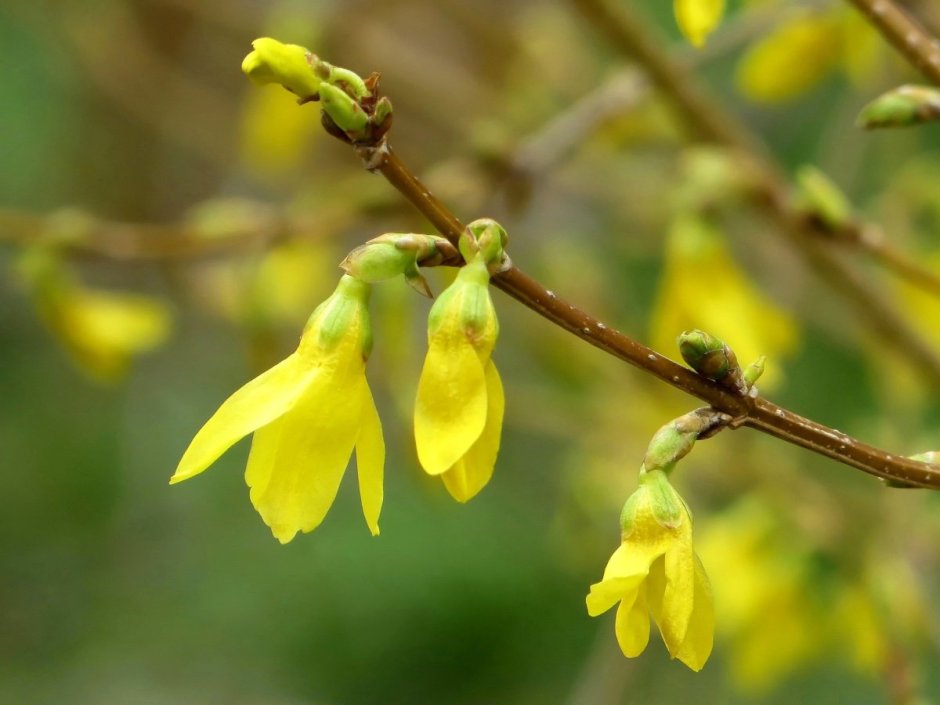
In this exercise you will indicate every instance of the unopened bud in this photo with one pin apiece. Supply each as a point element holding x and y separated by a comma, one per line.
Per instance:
<point>396,254</point>
<point>820,197</point>
<point>344,111</point>
<point>901,107</point>
<point>712,358</point>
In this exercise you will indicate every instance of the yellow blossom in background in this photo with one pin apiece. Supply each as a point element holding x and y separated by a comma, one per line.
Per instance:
<point>275,135</point>
<point>784,605</point>
<point>459,406</point>
<point>791,59</point>
<point>105,330</point>
<point>698,18</point>
<point>102,330</point>
<point>307,414</point>
<point>703,288</point>
<point>656,572</point>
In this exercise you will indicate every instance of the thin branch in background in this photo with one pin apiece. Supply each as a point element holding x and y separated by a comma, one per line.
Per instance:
<point>707,119</point>
<point>905,34</point>
<point>137,242</point>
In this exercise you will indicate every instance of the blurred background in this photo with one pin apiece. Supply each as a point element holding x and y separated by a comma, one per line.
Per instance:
<point>166,228</point>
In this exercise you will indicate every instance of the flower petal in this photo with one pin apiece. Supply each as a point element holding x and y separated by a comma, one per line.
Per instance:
<point>451,406</point>
<point>256,404</point>
<point>678,596</point>
<point>608,592</point>
<point>633,624</point>
<point>697,646</point>
<point>625,570</point>
<point>471,473</point>
<point>297,462</point>
<point>370,462</point>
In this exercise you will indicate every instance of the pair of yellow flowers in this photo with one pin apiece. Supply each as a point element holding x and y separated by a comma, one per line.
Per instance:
<point>309,412</point>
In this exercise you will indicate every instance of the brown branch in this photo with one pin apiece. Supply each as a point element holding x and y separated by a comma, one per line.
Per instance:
<point>906,34</point>
<point>708,120</point>
<point>756,412</point>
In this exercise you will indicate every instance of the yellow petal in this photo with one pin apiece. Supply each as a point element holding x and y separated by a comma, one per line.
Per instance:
<point>633,624</point>
<point>789,61</point>
<point>370,462</point>
<point>297,462</point>
<point>625,570</point>
<point>258,403</point>
<point>450,410</point>
<point>697,646</point>
<point>474,470</point>
<point>678,596</point>
<point>104,330</point>
<point>697,18</point>
<point>610,591</point>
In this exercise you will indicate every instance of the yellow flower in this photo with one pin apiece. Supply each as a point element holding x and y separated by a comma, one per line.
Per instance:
<point>459,406</point>
<point>307,414</point>
<point>655,571</point>
<point>102,330</point>
<point>698,18</point>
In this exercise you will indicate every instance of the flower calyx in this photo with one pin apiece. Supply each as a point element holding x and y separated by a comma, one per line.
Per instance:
<point>394,254</point>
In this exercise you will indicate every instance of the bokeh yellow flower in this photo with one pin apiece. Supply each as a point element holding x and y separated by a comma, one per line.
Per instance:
<point>655,571</point>
<point>307,413</point>
<point>698,18</point>
<point>459,406</point>
<point>702,287</point>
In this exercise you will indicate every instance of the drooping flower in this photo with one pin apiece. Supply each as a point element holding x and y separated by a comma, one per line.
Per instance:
<point>459,406</point>
<point>307,414</point>
<point>656,572</point>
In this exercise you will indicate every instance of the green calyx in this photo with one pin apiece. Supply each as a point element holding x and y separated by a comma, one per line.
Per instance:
<point>487,239</point>
<point>655,496</point>
<point>344,312</point>
<point>395,254</point>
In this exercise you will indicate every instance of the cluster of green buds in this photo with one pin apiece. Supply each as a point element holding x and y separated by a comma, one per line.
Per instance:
<point>714,359</point>
<point>352,108</point>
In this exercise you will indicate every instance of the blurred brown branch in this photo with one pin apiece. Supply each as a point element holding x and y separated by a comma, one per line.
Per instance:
<point>906,34</point>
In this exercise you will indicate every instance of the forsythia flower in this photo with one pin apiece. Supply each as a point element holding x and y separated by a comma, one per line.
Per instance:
<point>307,414</point>
<point>459,407</point>
<point>655,571</point>
<point>698,18</point>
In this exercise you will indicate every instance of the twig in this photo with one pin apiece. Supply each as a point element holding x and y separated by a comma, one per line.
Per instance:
<point>713,124</point>
<point>755,412</point>
<point>137,242</point>
<point>906,34</point>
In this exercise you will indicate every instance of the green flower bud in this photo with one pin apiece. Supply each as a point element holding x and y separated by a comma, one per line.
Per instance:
<point>901,107</point>
<point>711,358</point>
<point>395,254</point>
<point>487,238</point>
<point>344,111</point>
<point>932,457</point>
<point>290,65</point>
<point>819,196</point>
<point>754,371</point>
